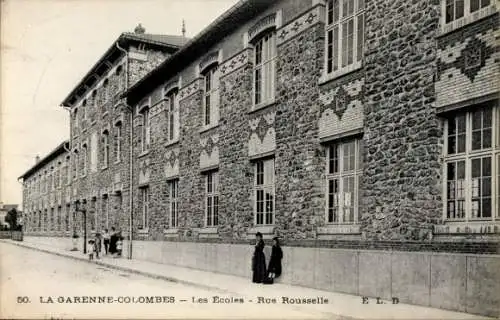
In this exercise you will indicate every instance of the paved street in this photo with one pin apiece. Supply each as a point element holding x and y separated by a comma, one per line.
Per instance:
<point>46,280</point>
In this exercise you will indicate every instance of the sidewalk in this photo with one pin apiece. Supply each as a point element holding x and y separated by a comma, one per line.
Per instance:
<point>344,305</point>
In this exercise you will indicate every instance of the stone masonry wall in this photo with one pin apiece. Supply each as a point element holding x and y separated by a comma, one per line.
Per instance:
<point>402,173</point>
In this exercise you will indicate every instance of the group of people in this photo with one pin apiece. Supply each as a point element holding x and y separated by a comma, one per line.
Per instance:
<point>112,243</point>
<point>261,274</point>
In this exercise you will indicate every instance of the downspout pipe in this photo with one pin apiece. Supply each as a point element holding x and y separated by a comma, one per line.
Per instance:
<point>131,154</point>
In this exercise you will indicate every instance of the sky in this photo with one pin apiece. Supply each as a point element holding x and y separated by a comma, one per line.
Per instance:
<point>47,46</point>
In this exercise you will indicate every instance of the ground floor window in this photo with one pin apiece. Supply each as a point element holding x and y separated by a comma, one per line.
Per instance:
<point>212,198</point>
<point>472,164</point>
<point>173,187</point>
<point>264,192</point>
<point>144,198</point>
<point>343,172</point>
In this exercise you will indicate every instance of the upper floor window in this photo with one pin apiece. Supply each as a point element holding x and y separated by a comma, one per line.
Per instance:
<point>84,109</point>
<point>344,34</point>
<point>343,172</point>
<point>472,164</point>
<point>173,187</point>
<point>75,118</point>
<point>264,192</point>
<point>105,148</point>
<point>456,9</point>
<point>84,159</point>
<point>264,73</point>
<point>118,141</point>
<point>212,198</point>
<point>95,98</point>
<point>120,78</point>
<point>75,164</point>
<point>145,129</point>
<point>211,99</point>
<point>105,91</point>
<point>173,124</point>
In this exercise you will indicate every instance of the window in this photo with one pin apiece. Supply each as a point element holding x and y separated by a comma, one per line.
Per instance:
<point>84,160</point>
<point>75,118</point>
<point>343,170</point>
<point>59,220</point>
<point>264,192</point>
<point>173,124</point>
<point>118,141</point>
<point>264,69</point>
<point>212,199</point>
<point>75,164</point>
<point>68,172</point>
<point>84,109</point>
<point>105,209</point>
<point>211,97</point>
<point>344,34</point>
<point>455,10</point>
<point>145,129</point>
<point>66,218</point>
<point>56,176</point>
<point>121,78</point>
<point>105,148</point>
<point>144,194</point>
<point>93,214</point>
<point>105,91</point>
<point>471,156</point>
<point>173,187</point>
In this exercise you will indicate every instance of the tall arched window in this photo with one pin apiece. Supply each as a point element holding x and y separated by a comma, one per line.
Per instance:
<point>84,159</point>
<point>105,148</point>
<point>264,72</point>
<point>211,95</point>
<point>172,115</point>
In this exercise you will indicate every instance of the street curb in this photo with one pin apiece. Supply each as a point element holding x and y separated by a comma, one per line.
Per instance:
<point>120,268</point>
<point>160,277</point>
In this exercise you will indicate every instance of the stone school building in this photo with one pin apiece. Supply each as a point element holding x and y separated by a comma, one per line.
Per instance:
<point>365,134</point>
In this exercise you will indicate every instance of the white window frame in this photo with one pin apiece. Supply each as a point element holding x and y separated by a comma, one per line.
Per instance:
<point>468,16</point>
<point>264,64</point>
<point>173,189</point>
<point>467,157</point>
<point>172,114</point>
<point>340,175</point>
<point>144,194</point>
<point>211,95</point>
<point>267,187</point>
<point>211,198</point>
<point>145,128</point>
<point>339,52</point>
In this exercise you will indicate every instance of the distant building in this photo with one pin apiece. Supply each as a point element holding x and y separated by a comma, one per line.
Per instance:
<point>4,209</point>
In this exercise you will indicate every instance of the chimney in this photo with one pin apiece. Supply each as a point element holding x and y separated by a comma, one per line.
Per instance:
<point>183,28</point>
<point>37,159</point>
<point>139,29</point>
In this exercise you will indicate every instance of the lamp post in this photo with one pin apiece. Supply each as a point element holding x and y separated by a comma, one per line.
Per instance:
<point>80,207</point>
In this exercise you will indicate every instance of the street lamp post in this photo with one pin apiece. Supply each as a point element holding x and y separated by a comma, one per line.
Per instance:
<point>82,209</point>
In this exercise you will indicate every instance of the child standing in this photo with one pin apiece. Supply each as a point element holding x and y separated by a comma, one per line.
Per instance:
<point>97,244</point>
<point>119,244</point>
<point>91,250</point>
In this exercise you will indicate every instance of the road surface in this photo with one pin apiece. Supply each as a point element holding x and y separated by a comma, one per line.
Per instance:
<point>40,285</point>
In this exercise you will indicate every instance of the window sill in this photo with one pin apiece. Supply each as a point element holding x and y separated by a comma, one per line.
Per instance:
<point>143,154</point>
<point>468,227</point>
<point>327,77</point>
<point>266,230</point>
<point>171,233</point>
<point>104,168</point>
<point>262,105</point>
<point>117,162</point>
<point>467,19</point>
<point>208,128</point>
<point>208,232</point>
<point>171,143</point>
<point>339,229</point>
<point>143,231</point>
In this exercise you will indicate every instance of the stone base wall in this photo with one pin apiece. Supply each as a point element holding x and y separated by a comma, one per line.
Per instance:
<point>460,282</point>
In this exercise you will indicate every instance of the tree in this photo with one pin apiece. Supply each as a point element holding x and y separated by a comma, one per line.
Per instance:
<point>11,219</point>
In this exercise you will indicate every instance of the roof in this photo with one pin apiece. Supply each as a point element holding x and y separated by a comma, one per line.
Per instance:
<point>239,13</point>
<point>169,43</point>
<point>52,155</point>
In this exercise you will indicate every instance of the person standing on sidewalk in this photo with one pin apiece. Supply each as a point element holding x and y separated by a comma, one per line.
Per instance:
<point>259,260</point>
<point>119,244</point>
<point>274,267</point>
<point>106,241</point>
<point>97,244</point>
<point>112,241</point>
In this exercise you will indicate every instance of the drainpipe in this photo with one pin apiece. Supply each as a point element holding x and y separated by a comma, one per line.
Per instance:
<point>131,155</point>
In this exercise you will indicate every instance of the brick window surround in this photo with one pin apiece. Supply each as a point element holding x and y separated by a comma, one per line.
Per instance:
<point>343,172</point>
<point>344,34</point>
<point>212,198</point>
<point>264,190</point>
<point>471,173</point>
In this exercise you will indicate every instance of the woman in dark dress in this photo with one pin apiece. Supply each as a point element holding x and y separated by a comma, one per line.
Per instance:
<point>259,260</point>
<point>274,268</point>
<point>112,241</point>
